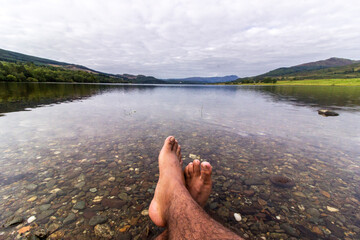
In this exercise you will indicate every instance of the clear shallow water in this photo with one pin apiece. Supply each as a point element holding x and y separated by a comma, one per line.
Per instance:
<point>76,137</point>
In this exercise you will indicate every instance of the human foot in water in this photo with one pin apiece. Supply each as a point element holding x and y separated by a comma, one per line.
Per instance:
<point>198,181</point>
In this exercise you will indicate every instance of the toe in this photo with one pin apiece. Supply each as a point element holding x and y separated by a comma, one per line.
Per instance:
<point>190,167</point>
<point>196,167</point>
<point>206,170</point>
<point>181,161</point>
<point>169,142</point>
<point>178,151</point>
<point>175,146</point>
<point>187,172</point>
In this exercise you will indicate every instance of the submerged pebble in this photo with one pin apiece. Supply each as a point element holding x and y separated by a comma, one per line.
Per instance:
<point>332,209</point>
<point>237,217</point>
<point>31,219</point>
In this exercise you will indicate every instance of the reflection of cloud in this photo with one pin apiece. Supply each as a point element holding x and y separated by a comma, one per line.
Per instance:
<point>182,38</point>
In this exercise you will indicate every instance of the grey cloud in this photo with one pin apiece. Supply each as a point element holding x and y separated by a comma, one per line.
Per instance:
<point>182,38</point>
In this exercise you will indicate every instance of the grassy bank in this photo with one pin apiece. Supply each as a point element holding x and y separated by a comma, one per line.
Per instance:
<point>315,82</point>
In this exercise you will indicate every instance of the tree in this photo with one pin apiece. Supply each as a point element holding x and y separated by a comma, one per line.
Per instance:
<point>10,78</point>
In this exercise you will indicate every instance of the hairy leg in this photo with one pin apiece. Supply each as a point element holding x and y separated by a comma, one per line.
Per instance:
<point>174,208</point>
<point>198,183</point>
<point>187,220</point>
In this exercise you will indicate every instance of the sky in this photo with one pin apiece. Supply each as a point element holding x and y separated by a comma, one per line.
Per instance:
<point>182,38</point>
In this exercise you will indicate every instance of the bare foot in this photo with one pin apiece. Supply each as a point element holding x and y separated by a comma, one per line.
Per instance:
<point>171,178</point>
<point>198,182</point>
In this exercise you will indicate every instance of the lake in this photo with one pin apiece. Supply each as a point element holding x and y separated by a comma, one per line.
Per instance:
<point>78,155</point>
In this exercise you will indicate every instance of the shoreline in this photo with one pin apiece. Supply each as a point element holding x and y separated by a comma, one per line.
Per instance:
<point>311,82</point>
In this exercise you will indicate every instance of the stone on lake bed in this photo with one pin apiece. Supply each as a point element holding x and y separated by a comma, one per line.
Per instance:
<point>57,191</point>
<point>289,230</point>
<point>282,181</point>
<point>89,213</point>
<point>262,202</point>
<point>237,217</point>
<point>313,212</point>
<point>249,193</point>
<point>326,194</point>
<point>327,113</point>
<point>301,207</point>
<point>79,205</point>
<point>33,198</point>
<point>98,199</point>
<point>113,203</point>
<point>317,230</point>
<point>145,212</point>
<point>223,211</point>
<point>45,207</point>
<point>123,196</point>
<point>299,194</point>
<point>103,231</point>
<point>24,230</point>
<point>332,209</point>
<point>213,205</point>
<point>93,190</point>
<point>254,181</point>
<point>193,156</point>
<point>125,228</point>
<point>14,220</point>
<point>98,219</point>
<point>40,232</point>
<point>45,214</point>
<point>31,219</point>
<point>111,179</point>
<point>31,187</point>
<point>70,218</point>
<point>80,184</point>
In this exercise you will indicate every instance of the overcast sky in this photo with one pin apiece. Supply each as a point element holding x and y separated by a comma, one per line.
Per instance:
<point>182,38</point>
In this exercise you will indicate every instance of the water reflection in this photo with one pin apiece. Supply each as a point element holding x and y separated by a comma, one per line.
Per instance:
<point>107,140</point>
<point>344,98</point>
<point>20,96</point>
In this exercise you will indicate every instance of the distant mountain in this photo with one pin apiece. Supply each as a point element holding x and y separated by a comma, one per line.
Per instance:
<point>9,56</point>
<point>328,63</point>
<point>202,79</point>
<point>331,62</point>
<point>329,68</point>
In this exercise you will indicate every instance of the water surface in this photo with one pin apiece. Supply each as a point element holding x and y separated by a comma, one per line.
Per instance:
<point>68,144</point>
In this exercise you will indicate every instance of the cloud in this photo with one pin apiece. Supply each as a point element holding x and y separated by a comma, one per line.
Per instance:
<point>182,38</point>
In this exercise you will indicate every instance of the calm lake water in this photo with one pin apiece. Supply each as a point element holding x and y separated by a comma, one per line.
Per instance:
<point>77,156</point>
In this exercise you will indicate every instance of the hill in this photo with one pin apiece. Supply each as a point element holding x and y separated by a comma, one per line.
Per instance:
<point>332,68</point>
<point>201,80</point>
<point>19,59</point>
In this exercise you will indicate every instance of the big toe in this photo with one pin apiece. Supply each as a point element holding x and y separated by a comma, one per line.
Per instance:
<point>169,143</point>
<point>206,170</point>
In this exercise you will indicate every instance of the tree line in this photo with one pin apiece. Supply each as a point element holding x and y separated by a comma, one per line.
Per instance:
<point>29,72</point>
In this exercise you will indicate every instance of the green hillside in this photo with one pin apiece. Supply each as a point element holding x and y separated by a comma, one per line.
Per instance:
<point>10,56</point>
<point>17,67</point>
<point>30,72</point>
<point>333,68</point>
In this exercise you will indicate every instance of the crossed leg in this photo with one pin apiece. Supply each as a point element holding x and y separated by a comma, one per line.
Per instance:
<point>174,207</point>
